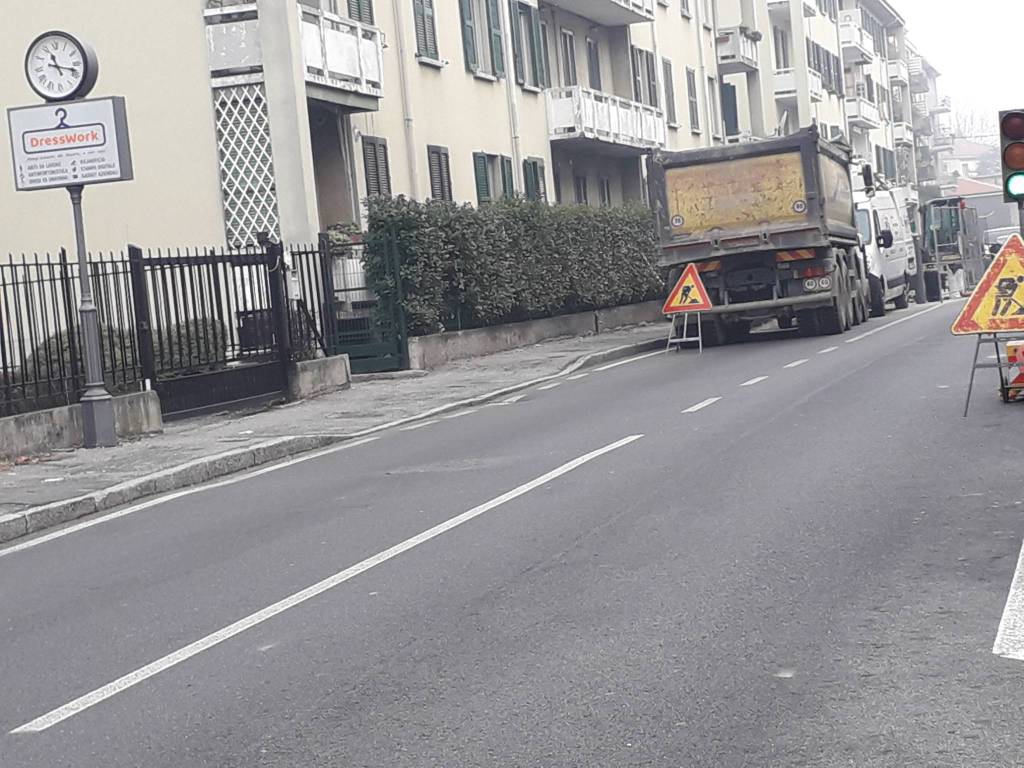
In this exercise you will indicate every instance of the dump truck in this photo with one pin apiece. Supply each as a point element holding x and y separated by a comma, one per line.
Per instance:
<point>771,227</point>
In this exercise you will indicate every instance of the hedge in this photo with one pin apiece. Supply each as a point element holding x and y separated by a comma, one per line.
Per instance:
<point>465,267</point>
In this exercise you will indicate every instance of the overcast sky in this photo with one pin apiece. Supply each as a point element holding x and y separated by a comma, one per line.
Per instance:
<point>973,43</point>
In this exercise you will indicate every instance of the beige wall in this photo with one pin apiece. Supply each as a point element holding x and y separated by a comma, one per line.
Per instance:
<point>157,60</point>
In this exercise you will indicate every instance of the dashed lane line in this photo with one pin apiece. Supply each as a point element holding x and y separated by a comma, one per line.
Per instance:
<point>701,406</point>
<point>796,363</point>
<point>828,350</point>
<point>881,328</point>
<point>754,381</point>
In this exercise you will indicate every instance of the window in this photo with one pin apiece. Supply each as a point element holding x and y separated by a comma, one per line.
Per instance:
<point>426,30</point>
<point>533,178</point>
<point>691,96</point>
<point>482,174</point>
<point>670,93</point>
<point>606,192</point>
<point>529,47</point>
<point>481,36</point>
<point>508,180</point>
<point>361,10</point>
<point>579,184</point>
<point>684,7</point>
<point>781,39</point>
<point>645,77</point>
<point>545,56</point>
<point>569,77</point>
<point>375,165</point>
<point>594,64</point>
<point>440,173</point>
<point>716,121</point>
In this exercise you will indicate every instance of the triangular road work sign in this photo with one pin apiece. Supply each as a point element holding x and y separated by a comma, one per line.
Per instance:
<point>689,295</point>
<point>997,304</point>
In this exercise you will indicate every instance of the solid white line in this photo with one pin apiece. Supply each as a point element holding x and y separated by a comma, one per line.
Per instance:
<point>752,382</point>
<point>828,350</point>
<point>172,659</point>
<point>630,360</point>
<point>881,328</point>
<point>578,376</point>
<point>422,424</point>
<point>460,414</point>
<point>179,494</point>
<point>703,405</point>
<point>796,363</point>
<point>513,400</point>
<point>552,385</point>
<point>1010,637</point>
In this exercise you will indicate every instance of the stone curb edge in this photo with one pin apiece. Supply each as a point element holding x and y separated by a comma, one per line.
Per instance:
<point>18,524</point>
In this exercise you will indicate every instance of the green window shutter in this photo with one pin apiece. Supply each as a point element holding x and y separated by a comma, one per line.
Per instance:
<point>370,167</point>
<point>542,190</point>
<point>468,35</point>
<point>430,30</point>
<point>497,42</point>
<point>419,15</point>
<point>508,182</point>
<point>638,82</point>
<point>517,42</point>
<point>529,180</point>
<point>481,170</point>
<point>361,10</point>
<point>540,77</point>
<point>383,168</point>
<point>436,187</point>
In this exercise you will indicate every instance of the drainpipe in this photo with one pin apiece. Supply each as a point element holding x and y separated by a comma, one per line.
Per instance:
<point>703,84</point>
<point>407,118</point>
<point>511,96</point>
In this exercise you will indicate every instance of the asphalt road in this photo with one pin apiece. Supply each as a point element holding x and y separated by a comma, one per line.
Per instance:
<point>669,562</point>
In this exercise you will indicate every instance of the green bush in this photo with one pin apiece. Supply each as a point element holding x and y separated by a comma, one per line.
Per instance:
<point>465,267</point>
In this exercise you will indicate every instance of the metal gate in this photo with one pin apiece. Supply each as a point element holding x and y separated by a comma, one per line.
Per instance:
<point>340,312</point>
<point>212,326</point>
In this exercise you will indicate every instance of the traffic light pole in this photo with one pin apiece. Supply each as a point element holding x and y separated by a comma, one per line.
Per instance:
<point>1020,215</point>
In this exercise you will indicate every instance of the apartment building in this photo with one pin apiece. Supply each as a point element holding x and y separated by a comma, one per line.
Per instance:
<point>931,116</point>
<point>282,116</point>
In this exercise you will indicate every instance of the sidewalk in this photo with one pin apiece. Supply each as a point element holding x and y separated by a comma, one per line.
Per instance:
<point>66,485</point>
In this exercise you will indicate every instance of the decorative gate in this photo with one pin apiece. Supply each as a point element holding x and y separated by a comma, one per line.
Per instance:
<point>212,326</point>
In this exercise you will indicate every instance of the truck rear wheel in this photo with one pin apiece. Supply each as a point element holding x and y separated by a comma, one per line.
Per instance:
<point>832,320</point>
<point>877,296</point>
<point>737,333</point>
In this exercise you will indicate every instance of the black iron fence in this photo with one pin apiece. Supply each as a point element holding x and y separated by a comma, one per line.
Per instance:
<point>40,346</point>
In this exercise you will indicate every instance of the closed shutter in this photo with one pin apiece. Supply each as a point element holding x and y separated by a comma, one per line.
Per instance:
<point>497,41</point>
<point>638,80</point>
<point>361,10</point>
<point>440,173</point>
<point>594,64</point>
<point>652,79</point>
<point>541,76</point>
<point>508,183</point>
<point>517,42</point>
<point>468,34</point>
<point>533,179</point>
<point>383,168</point>
<point>670,93</point>
<point>426,32</point>
<point>375,165</point>
<point>481,172</point>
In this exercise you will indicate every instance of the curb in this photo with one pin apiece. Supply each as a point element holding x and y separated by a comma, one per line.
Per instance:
<point>198,471</point>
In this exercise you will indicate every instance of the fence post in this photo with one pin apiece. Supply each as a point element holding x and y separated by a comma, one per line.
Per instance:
<point>279,301</point>
<point>70,313</point>
<point>399,308</point>
<point>330,320</point>
<point>143,322</point>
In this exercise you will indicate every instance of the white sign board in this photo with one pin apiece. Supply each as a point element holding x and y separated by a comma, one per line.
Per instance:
<point>70,143</point>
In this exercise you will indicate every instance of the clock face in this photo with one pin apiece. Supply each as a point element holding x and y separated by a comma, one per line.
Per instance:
<point>56,66</point>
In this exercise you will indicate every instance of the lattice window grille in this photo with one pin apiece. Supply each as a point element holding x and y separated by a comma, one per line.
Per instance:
<point>246,163</point>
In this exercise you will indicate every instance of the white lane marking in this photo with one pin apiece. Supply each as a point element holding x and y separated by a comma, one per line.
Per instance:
<point>460,414</point>
<point>513,400</point>
<point>827,351</point>
<point>703,405</point>
<point>630,360</point>
<point>881,328</point>
<point>552,385</point>
<point>421,425</point>
<point>1010,637</point>
<point>179,494</point>
<point>796,363</point>
<point>754,381</point>
<point>204,644</point>
<point>578,376</point>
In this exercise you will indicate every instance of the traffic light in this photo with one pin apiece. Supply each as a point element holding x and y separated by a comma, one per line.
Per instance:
<point>1011,136</point>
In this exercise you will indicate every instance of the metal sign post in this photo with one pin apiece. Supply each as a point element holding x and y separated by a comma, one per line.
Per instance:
<point>71,142</point>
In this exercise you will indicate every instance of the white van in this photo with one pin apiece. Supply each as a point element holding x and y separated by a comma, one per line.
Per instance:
<point>888,242</point>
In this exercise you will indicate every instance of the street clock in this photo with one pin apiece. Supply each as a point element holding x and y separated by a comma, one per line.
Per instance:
<point>60,67</point>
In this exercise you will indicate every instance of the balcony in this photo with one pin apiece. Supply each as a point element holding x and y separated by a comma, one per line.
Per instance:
<point>609,13</point>
<point>899,73</point>
<point>858,44</point>
<point>341,54</point>
<point>781,8</point>
<point>737,52</point>
<point>942,142</point>
<point>787,85</point>
<point>942,106</point>
<point>903,134</point>
<point>861,113</point>
<point>599,120</point>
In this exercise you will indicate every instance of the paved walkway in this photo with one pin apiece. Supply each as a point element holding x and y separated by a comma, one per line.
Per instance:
<point>69,474</point>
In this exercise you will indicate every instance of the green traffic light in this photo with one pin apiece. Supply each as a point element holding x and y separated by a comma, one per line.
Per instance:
<point>1015,186</point>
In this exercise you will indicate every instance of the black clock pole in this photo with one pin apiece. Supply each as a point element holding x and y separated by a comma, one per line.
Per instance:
<point>98,424</point>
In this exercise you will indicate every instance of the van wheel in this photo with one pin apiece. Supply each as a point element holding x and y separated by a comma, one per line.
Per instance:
<point>807,322</point>
<point>903,300</point>
<point>877,296</point>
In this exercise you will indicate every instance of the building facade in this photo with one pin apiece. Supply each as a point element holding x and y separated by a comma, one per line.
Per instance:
<point>282,116</point>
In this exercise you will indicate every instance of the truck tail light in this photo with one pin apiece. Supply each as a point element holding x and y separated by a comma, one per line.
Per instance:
<point>813,272</point>
<point>709,266</point>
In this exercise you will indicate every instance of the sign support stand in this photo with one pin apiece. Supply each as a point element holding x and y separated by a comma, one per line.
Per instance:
<point>678,341</point>
<point>98,424</point>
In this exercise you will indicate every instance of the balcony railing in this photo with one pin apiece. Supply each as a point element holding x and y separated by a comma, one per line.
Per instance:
<point>810,7</point>
<point>737,52</point>
<point>580,113</point>
<point>609,13</point>
<point>862,113</point>
<point>942,106</point>
<point>787,85</point>
<point>341,53</point>
<point>899,72</point>
<point>858,43</point>
<point>903,134</point>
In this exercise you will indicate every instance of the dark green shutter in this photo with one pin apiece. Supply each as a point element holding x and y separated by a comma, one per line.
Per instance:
<point>419,15</point>
<point>370,168</point>
<point>497,42</point>
<point>638,81</point>
<point>468,34</point>
<point>481,171</point>
<point>542,182</point>
<point>540,77</point>
<point>430,29</point>
<point>508,182</point>
<point>361,10</point>
<point>434,160</point>
<point>517,42</point>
